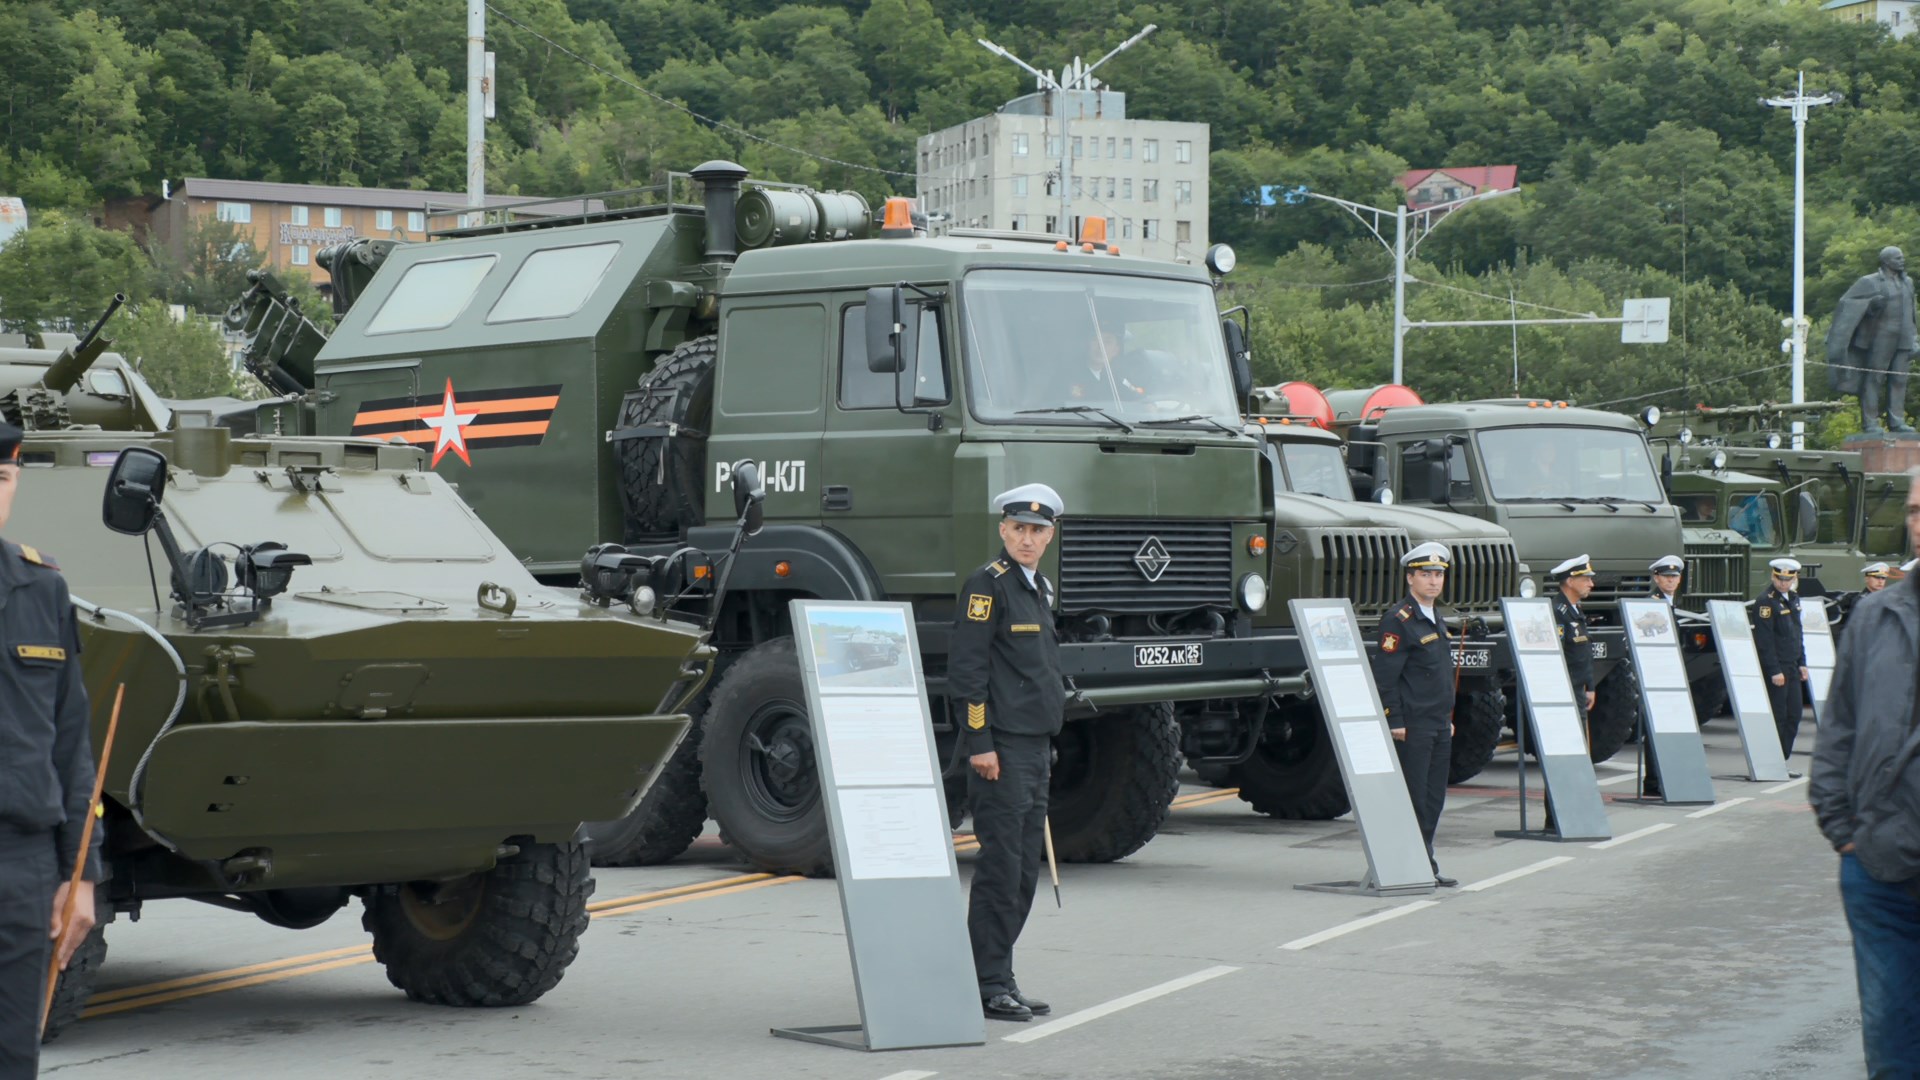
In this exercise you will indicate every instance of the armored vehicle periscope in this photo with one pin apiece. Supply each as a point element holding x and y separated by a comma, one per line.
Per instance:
<point>599,374</point>
<point>339,683</point>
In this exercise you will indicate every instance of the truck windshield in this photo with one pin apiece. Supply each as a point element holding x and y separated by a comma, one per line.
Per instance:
<point>1316,469</point>
<point>1083,348</point>
<point>1756,516</point>
<point>1569,464</point>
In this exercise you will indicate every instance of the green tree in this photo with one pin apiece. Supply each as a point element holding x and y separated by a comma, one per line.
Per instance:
<point>180,358</point>
<point>207,268</point>
<point>62,271</point>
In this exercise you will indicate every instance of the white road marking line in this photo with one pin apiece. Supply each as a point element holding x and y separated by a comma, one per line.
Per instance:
<point>1362,923</point>
<point>1717,807</point>
<point>1632,836</point>
<point>1502,879</point>
<point>910,1074</point>
<point>1782,787</point>
<point>1623,778</point>
<point>1614,765</point>
<point>1074,1020</point>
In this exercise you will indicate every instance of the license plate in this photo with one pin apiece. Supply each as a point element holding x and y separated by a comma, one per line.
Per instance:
<point>1473,658</point>
<point>1599,650</point>
<point>1159,656</point>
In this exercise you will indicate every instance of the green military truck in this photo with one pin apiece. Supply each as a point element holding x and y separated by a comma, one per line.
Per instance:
<point>588,380</point>
<point>1562,481</point>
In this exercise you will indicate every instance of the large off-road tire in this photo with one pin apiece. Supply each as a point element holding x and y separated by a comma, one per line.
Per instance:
<point>1710,698</point>
<point>501,937</point>
<point>1479,720</point>
<point>76,984</point>
<point>1616,712</point>
<point>758,768</point>
<point>668,818</point>
<point>1114,779</point>
<point>1294,772</point>
<point>661,502</point>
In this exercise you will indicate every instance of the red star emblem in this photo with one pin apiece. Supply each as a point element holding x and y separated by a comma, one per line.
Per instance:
<point>447,423</point>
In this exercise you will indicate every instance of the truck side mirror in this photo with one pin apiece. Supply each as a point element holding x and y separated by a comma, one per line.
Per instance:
<point>749,496</point>
<point>893,329</point>
<point>134,489</point>
<point>1239,358</point>
<point>1806,519</point>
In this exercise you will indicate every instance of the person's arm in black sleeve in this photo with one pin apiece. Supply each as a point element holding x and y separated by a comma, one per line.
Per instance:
<point>1833,750</point>
<point>1388,661</point>
<point>73,754</point>
<point>968,657</point>
<point>1763,642</point>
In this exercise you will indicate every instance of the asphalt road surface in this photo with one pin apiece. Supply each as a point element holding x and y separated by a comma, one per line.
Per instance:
<point>1697,943</point>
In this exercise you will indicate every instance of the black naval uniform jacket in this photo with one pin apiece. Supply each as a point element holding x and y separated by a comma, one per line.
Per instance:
<point>1003,666</point>
<point>1413,666</point>
<point>46,745</point>
<point>1577,645</point>
<point>1776,634</point>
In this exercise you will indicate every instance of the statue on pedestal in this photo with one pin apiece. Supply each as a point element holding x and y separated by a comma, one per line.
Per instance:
<point>1871,343</point>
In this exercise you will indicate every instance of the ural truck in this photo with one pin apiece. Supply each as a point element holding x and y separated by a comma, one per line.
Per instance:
<point>589,381</point>
<point>1562,481</point>
<point>338,683</point>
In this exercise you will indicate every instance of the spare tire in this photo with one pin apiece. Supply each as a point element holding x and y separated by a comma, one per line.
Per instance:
<point>1616,712</point>
<point>1479,719</point>
<point>1294,772</point>
<point>663,480</point>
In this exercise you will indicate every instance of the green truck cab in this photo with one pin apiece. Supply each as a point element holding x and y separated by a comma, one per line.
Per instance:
<point>338,683</point>
<point>588,381</point>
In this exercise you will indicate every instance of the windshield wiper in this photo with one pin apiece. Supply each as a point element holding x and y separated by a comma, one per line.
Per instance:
<point>1651,509</point>
<point>1202,418</point>
<point>1557,500</point>
<point>1081,410</point>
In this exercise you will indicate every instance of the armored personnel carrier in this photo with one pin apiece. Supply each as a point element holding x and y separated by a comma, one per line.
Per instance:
<point>339,684</point>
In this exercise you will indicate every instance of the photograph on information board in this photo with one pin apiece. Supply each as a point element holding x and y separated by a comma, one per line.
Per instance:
<point>1332,634</point>
<point>1653,626</point>
<point>860,648</point>
<point>1533,629</point>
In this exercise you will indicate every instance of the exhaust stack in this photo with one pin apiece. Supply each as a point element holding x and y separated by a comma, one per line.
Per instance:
<point>721,183</point>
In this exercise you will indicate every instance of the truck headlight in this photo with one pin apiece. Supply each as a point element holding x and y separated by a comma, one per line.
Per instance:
<point>1528,590</point>
<point>1253,592</point>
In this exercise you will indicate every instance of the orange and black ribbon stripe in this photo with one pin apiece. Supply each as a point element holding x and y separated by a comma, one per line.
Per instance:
<point>510,416</point>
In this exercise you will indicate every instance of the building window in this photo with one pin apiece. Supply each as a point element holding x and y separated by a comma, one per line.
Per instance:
<point>1126,188</point>
<point>383,220</point>
<point>1110,142</point>
<point>298,215</point>
<point>1126,149</point>
<point>1019,187</point>
<point>973,147</point>
<point>924,158</point>
<point>237,212</point>
<point>1053,146</point>
<point>1149,149</point>
<point>1078,190</point>
<point>1126,228</point>
<point>300,256</point>
<point>1093,147</point>
<point>1182,191</point>
<point>970,188</point>
<point>1149,229</point>
<point>1183,232</point>
<point>331,215</point>
<point>1076,146</point>
<point>1020,145</point>
<point>1053,223</point>
<point>416,221</point>
<point>1019,223</point>
<point>1183,152</point>
<point>1109,187</point>
<point>1149,191</point>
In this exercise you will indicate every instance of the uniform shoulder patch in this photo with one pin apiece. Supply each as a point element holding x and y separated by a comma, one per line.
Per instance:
<point>998,567</point>
<point>33,555</point>
<point>976,715</point>
<point>1405,613</point>
<point>979,608</point>
<point>1766,611</point>
<point>1389,642</point>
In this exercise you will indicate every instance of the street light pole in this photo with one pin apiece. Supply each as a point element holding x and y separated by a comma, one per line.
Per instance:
<point>476,103</point>
<point>1800,105</point>
<point>1080,76</point>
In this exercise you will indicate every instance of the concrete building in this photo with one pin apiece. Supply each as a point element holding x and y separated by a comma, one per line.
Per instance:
<point>290,223</point>
<point>1896,14</point>
<point>1148,178</point>
<point>1431,187</point>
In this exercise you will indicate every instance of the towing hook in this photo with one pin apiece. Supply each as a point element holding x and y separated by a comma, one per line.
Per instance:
<point>1077,696</point>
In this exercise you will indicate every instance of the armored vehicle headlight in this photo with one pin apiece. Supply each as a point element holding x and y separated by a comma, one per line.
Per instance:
<point>1253,592</point>
<point>1528,589</point>
<point>1773,440</point>
<point>1651,415</point>
<point>1221,259</point>
<point>1686,436</point>
<point>1719,459</point>
<point>642,600</point>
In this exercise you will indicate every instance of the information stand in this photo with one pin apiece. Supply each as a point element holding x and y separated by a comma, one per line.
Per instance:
<point>1546,701</point>
<point>1397,862</point>
<point>1667,724</point>
<point>892,845</point>
<point>1747,689</point>
<point>1817,632</point>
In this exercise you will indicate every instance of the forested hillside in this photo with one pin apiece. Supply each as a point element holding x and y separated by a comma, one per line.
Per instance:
<point>1650,168</point>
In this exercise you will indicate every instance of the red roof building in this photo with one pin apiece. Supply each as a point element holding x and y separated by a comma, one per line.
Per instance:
<point>1430,187</point>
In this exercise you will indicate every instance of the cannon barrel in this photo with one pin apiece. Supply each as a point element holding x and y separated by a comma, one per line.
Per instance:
<point>74,360</point>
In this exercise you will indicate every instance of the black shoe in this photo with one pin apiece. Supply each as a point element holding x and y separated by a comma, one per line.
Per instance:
<point>1444,881</point>
<point>1038,1008</point>
<point>1791,775</point>
<point>1005,1007</point>
<point>1651,793</point>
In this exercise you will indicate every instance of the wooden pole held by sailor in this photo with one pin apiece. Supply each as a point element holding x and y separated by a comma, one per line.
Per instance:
<point>1053,864</point>
<point>80,861</point>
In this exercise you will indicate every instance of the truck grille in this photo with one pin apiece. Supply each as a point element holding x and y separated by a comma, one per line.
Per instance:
<point>1099,571</point>
<point>1609,591</point>
<point>1363,565</point>
<point>1483,572</point>
<point>1713,573</point>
